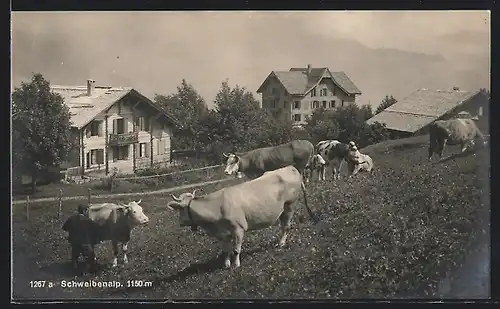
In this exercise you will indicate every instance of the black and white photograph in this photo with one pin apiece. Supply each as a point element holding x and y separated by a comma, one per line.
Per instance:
<point>188,155</point>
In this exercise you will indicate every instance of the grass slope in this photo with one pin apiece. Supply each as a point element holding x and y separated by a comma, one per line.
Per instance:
<point>395,233</point>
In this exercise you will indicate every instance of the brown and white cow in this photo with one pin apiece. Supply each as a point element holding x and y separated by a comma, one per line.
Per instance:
<point>463,132</point>
<point>115,222</point>
<point>318,165</point>
<point>334,153</point>
<point>229,213</point>
<point>357,161</point>
<point>256,162</point>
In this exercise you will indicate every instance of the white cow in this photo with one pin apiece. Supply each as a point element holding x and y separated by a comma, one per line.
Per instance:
<point>228,213</point>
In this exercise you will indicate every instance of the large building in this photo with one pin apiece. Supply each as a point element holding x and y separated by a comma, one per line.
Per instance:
<point>116,127</point>
<point>413,114</point>
<point>297,92</point>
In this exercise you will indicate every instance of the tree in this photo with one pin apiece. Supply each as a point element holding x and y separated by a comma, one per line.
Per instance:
<point>41,126</point>
<point>345,124</point>
<point>237,123</point>
<point>188,107</point>
<point>386,102</point>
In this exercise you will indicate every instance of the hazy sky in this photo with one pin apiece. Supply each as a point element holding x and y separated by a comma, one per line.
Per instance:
<point>153,51</point>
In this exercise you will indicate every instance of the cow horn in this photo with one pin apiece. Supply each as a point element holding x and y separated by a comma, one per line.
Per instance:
<point>226,155</point>
<point>139,201</point>
<point>175,197</point>
<point>194,192</point>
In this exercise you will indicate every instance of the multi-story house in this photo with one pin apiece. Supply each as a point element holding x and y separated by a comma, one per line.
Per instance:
<point>116,127</point>
<point>297,92</point>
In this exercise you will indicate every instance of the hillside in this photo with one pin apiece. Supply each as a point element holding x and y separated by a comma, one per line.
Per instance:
<point>395,233</point>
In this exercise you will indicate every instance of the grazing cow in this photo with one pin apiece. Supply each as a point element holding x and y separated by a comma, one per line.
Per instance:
<point>453,132</point>
<point>317,165</point>
<point>255,163</point>
<point>256,204</point>
<point>357,161</point>
<point>333,152</point>
<point>115,222</point>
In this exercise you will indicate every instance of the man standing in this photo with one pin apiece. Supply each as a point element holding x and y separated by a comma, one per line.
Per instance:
<point>81,237</point>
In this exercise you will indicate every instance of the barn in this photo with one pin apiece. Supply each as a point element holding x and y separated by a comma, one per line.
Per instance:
<point>413,114</point>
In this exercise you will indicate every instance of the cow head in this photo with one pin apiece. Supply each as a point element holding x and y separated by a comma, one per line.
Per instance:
<point>135,213</point>
<point>318,161</point>
<point>181,204</point>
<point>233,165</point>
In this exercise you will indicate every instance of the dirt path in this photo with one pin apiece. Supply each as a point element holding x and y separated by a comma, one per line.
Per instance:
<point>101,196</point>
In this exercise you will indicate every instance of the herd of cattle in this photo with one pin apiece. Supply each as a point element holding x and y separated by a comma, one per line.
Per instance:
<point>276,177</point>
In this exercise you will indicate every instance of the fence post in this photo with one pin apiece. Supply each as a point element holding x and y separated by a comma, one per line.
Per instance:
<point>27,208</point>
<point>60,204</point>
<point>90,195</point>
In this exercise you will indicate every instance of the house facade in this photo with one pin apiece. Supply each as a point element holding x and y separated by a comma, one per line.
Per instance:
<point>296,93</point>
<point>413,114</point>
<point>116,127</point>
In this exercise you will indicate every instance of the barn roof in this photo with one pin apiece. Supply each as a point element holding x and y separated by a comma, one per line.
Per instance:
<point>83,108</point>
<point>420,109</point>
<point>297,82</point>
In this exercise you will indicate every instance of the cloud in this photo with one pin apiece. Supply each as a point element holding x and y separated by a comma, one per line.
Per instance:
<point>153,51</point>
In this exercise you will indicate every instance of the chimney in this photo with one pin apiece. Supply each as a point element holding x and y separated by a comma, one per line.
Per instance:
<point>308,69</point>
<point>456,88</point>
<point>90,86</point>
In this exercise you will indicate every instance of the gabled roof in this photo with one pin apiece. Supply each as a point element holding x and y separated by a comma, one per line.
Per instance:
<point>83,109</point>
<point>297,82</point>
<point>421,108</point>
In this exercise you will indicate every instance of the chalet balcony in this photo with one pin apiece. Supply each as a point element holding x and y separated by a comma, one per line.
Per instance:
<point>123,139</point>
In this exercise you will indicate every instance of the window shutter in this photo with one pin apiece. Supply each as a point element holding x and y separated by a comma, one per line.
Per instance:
<point>100,156</point>
<point>100,128</point>
<point>125,125</point>
<point>111,154</point>
<point>148,149</point>
<point>137,150</point>
<point>146,124</point>
<point>88,132</point>
<point>115,126</point>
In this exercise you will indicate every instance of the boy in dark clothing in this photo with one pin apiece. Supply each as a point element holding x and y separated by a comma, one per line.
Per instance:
<point>81,237</point>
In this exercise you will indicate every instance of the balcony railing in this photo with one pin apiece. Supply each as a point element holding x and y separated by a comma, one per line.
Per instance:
<point>123,139</point>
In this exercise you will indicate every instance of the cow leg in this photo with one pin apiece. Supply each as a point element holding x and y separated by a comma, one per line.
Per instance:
<point>115,253</point>
<point>238,242</point>
<point>227,249</point>
<point>285,219</point>
<point>356,169</point>
<point>441,146</point>
<point>340,167</point>
<point>125,248</point>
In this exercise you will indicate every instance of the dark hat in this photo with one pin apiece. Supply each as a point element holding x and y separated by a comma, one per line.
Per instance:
<point>82,209</point>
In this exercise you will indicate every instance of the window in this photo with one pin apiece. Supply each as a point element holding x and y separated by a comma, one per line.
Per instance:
<point>273,90</point>
<point>480,111</point>
<point>142,150</point>
<point>315,104</point>
<point>342,103</point>
<point>120,153</point>
<point>297,117</point>
<point>96,128</point>
<point>119,126</point>
<point>324,104</point>
<point>313,92</point>
<point>332,104</point>
<point>333,90</point>
<point>142,124</point>
<point>276,103</point>
<point>296,104</point>
<point>96,156</point>
<point>323,92</point>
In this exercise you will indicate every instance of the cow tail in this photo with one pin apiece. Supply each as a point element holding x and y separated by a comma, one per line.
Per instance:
<point>309,211</point>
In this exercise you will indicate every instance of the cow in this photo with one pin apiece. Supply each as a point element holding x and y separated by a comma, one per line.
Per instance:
<point>229,213</point>
<point>333,152</point>
<point>115,222</point>
<point>317,164</point>
<point>357,161</point>
<point>256,162</point>
<point>463,132</point>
